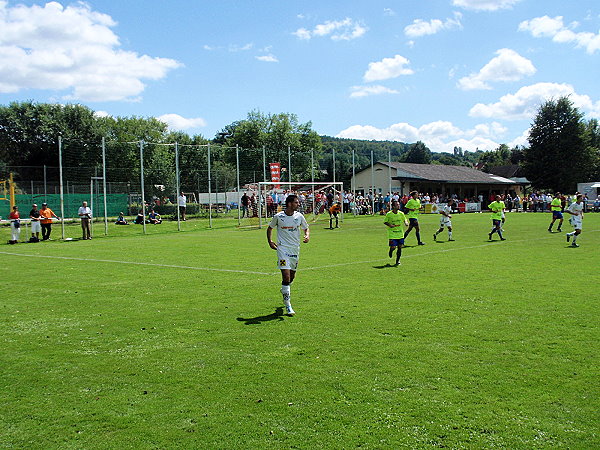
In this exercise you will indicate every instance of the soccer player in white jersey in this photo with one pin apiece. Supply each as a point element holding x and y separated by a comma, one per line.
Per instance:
<point>288,223</point>
<point>445,222</point>
<point>575,209</point>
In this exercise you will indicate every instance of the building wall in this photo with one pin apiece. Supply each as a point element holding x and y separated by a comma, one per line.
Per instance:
<point>362,180</point>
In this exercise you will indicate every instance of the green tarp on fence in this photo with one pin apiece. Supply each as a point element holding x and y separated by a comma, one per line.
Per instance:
<point>115,203</point>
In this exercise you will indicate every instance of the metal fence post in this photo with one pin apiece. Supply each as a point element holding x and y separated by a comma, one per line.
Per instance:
<point>237,159</point>
<point>177,185</point>
<point>62,199</point>
<point>209,192</point>
<point>104,186</point>
<point>142,181</point>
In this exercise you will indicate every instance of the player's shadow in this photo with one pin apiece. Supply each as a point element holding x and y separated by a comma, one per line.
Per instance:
<point>277,315</point>
<point>385,266</point>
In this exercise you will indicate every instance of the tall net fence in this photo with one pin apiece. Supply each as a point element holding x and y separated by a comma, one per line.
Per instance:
<point>217,185</point>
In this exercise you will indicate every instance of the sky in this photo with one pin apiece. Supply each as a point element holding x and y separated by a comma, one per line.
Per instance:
<point>468,73</point>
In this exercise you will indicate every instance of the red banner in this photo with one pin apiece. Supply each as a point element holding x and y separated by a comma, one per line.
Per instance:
<point>275,173</point>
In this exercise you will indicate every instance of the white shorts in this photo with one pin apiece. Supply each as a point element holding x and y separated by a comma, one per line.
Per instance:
<point>287,258</point>
<point>36,226</point>
<point>445,222</point>
<point>576,222</point>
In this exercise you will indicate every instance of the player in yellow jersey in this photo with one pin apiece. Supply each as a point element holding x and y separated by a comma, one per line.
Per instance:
<point>395,220</point>
<point>497,208</point>
<point>414,206</point>
<point>556,207</point>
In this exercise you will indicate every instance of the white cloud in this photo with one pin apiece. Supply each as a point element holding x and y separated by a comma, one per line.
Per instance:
<point>388,12</point>
<point>364,91</point>
<point>526,101</point>
<point>421,27</point>
<point>267,58</point>
<point>71,48</point>
<point>177,122</point>
<point>554,28</point>
<point>507,66</point>
<point>387,68</point>
<point>439,136</point>
<point>338,30</point>
<point>101,114</point>
<point>234,48</point>
<point>485,5</point>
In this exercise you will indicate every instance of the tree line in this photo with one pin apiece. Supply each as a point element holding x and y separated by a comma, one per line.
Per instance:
<point>563,147</point>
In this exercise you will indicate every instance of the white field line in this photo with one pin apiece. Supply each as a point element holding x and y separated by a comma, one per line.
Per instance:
<point>250,272</point>
<point>428,253</point>
<point>114,261</point>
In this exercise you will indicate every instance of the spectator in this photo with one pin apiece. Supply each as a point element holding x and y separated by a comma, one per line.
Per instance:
<point>154,218</point>
<point>245,201</point>
<point>86,215</point>
<point>121,219</point>
<point>36,227</point>
<point>182,204</point>
<point>15,225</point>
<point>139,220</point>
<point>46,216</point>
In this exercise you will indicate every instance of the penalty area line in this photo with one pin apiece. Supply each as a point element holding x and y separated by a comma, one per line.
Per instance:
<point>114,261</point>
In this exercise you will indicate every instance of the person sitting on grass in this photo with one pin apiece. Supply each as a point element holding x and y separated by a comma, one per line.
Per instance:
<point>139,220</point>
<point>154,218</point>
<point>121,219</point>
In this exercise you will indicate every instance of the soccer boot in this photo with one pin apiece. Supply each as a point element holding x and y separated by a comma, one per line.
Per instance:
<point>490,236</point>
<point>289,310</point>
<point>435,236</point>
<point>421,243</point>
<point>559,230</point>
<point>502,239</point>
<point>550,230</point>
<point>574,245</point>
<point>450,240</point>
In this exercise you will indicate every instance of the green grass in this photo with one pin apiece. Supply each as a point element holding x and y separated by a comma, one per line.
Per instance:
<point>467,344</point>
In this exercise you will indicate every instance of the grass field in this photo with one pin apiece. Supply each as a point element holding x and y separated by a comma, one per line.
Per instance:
<point>177,340</point>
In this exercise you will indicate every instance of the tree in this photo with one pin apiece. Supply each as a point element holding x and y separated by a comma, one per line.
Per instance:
<point>276,133</point>
<point>559,155</point>
<point>418,153</point>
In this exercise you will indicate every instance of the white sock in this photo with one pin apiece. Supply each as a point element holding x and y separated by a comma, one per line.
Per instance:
<point>449,234</point>
<point>285,291</point>
<point>574,238</point>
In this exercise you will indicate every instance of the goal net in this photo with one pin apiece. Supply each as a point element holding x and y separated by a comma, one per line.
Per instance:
<point>315,199</point>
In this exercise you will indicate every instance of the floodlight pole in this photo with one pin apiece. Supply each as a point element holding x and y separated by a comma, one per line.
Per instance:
<point>177,185</point>
<point>104,185</point>
<point>209,192</point>
<point>142,181</point>
<point>62,199</point>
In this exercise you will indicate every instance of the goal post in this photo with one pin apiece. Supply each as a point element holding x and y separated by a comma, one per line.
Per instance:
<point>315,197</point>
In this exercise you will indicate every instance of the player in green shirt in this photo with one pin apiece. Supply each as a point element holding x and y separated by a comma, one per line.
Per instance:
<point>497,208</point>
<point>556,207</point>
<point>413,206</point>
<point>395,221</point>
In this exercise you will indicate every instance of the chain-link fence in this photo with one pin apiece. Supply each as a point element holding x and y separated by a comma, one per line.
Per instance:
<point>146,182</point>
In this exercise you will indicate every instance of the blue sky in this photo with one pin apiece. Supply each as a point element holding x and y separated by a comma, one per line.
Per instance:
<point>448,72</point>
